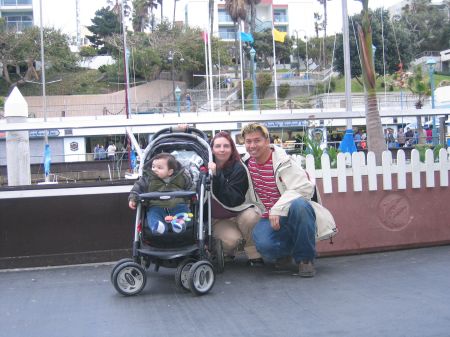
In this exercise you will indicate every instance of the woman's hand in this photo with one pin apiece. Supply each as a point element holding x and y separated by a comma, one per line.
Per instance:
<point>132,204</point>
<point>213,167</point>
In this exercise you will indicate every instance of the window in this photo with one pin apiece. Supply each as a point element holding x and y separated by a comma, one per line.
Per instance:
<point>279,15</point>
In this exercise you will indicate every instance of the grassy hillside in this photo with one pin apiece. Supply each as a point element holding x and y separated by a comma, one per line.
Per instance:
<point>78,82</point>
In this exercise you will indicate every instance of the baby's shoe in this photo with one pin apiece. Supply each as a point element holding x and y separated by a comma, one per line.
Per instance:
<point>158,227</point>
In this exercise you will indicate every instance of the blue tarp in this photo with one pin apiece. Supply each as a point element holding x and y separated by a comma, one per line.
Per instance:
<point>348,143</point>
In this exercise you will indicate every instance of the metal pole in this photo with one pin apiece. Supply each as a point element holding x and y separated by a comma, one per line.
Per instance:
<point>347,67</point>
<point>125,56</point>
<point>434,133</point>
<point>44,96</point>
<point>242,71</point>
<point>307,63</point>
<point>211,83</point>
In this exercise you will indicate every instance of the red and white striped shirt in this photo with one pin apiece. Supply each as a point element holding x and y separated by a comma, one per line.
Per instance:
<point>263,178</point>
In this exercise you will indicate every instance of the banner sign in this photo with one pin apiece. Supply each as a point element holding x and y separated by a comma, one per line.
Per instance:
<point>286,124</point>
<point>41,133</point>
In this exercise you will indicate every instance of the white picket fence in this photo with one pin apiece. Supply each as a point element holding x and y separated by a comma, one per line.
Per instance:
<point>359,166</point>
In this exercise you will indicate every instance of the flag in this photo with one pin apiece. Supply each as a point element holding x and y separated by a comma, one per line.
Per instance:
<point>205,37</point>
<point>247,37</point>
<point>47,159</point>
<point>279,36</point>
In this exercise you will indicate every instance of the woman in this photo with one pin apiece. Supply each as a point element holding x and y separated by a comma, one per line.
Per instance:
<point>233,219</point>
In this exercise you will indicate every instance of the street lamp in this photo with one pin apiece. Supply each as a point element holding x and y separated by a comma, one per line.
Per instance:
<point>431,64</point>
<point>255,98</point>
<point>171,59</point>
<point>177,93</point>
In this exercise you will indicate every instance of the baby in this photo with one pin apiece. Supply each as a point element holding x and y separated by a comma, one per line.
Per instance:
<point>166,174</point>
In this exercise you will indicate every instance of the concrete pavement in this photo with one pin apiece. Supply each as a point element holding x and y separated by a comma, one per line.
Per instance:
<point>402,293</point>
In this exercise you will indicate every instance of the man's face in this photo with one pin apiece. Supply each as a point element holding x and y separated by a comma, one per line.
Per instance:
<point>257,145</point>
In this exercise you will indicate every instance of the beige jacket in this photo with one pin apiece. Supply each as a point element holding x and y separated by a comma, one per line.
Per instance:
<point>293,182</point>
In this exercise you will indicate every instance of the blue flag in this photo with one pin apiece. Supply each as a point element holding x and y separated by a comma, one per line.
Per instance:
<point>132,159</point>
<point>47,159</point>
<point>247,37</point>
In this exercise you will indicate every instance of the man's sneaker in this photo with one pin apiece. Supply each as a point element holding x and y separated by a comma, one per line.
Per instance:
<point>259,262</point>
<point>306,269</point>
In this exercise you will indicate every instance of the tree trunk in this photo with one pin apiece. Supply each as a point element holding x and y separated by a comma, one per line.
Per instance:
<point>375,138</point>
<point>31,71</point>
<point>6,73</point>
<point>421,137</point>
<point>253,17</point>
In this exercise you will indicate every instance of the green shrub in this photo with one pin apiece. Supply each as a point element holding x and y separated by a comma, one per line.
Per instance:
<point>88,51</point>
<point>263,81</point>
<point>248,89</point>
<point>2,102</point>
<point>283,90</point>
<point>422,148</point>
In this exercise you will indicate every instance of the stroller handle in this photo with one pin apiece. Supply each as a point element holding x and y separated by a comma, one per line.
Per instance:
<point>188,129</point>
<point>166,195</point>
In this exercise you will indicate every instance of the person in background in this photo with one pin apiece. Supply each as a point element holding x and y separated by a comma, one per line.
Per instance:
<point>96,152</point>
<point>111,151</point>
<point>401,138</point>
<point>188,103</point>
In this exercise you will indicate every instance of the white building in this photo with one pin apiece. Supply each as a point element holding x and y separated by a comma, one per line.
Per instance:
<point>18,14</point>
<point>287,15</point>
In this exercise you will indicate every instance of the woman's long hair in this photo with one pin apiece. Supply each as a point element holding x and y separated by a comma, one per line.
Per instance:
<point>235,156</point>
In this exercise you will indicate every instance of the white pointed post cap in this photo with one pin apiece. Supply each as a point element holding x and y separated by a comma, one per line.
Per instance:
<point>16,105</point>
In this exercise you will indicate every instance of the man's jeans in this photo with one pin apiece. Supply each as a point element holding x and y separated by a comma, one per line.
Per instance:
<point>296,237</point>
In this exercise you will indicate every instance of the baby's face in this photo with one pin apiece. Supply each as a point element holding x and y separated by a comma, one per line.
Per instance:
<point>161,168</point>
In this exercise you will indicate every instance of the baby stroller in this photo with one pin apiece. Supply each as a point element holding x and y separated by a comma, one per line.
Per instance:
<point>193,252</point>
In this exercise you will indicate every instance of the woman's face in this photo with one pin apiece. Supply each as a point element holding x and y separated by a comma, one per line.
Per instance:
<point>221,150</point>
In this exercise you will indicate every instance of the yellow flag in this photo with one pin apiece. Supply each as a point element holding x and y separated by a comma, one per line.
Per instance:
<point>279,36</point>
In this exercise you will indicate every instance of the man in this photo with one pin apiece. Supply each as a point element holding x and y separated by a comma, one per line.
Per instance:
<point>288,224</point>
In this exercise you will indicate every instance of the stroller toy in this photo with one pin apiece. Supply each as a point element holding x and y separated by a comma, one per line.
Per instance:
<point>178,221</point>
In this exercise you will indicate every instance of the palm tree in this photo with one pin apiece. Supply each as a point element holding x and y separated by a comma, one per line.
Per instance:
<point>375,138</point>
<point>140,14</point>
<point>238,13</point>
<point>252,4</point>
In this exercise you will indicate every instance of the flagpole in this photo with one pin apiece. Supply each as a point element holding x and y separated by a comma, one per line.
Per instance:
<point>274,61</point>
<point>211,84</point>
<point>240,58</point>
<point>206,64</point>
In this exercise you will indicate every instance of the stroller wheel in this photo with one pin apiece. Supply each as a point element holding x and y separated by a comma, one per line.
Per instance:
<point>201,277</point>
<point>117,265</point>
<point>182,273</point>
<point>129,278</point>
<point>217,257</point>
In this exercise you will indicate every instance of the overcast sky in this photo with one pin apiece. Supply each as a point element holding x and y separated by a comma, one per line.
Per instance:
<point>61,14</point>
